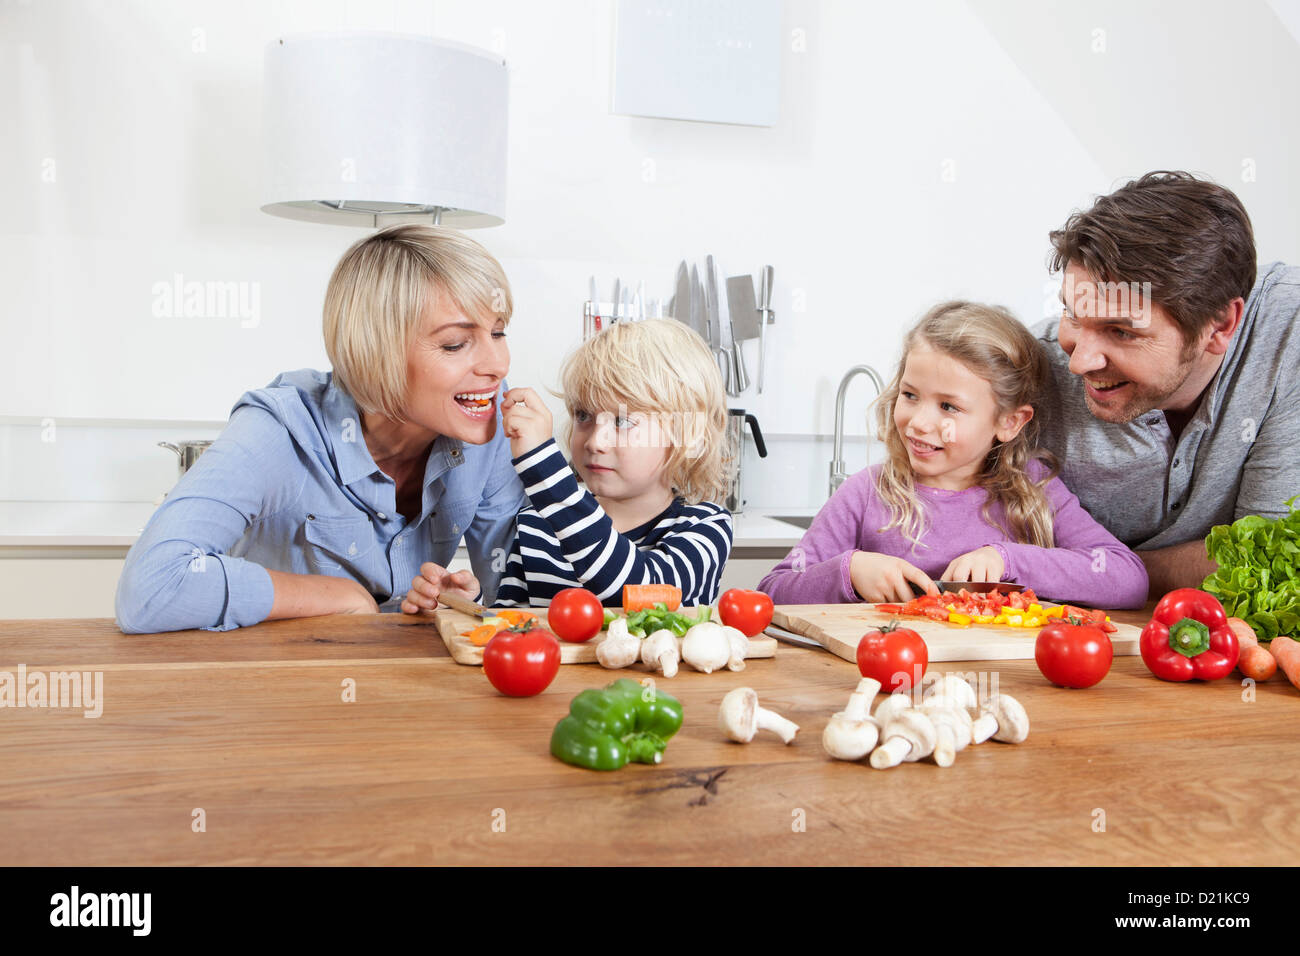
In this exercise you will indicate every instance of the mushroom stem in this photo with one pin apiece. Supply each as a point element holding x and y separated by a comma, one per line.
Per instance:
<point>890,753</point>
<point>985,726</point>
<point>945,746</point>
<point>859,705</point>
<point>771,720</point>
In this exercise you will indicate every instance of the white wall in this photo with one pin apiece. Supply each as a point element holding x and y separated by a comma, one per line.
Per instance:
<point>924,151</point>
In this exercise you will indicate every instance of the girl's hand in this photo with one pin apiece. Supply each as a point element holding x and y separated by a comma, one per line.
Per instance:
<point>433,580</point>
<point>882,578</point>
<point>982,564</point>
<point>526,419</point>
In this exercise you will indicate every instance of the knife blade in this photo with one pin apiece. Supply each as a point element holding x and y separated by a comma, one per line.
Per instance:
<point>698,321</point>
<point>744,320</point>
<point>975,587</point>
<point>790,637</point>
<point>682,296</point>
<point>719,325</point>
<point>765,316</point>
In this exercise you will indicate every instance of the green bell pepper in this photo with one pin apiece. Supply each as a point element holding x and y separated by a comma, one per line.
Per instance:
<point>608,727</point>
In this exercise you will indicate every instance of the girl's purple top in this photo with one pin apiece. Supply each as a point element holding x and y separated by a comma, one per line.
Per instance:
<point>1088,565</point>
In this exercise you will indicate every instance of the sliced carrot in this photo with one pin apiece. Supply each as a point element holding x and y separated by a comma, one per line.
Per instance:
<point>515,617</point>
<point>1255,662</point>
<point>1287,654</point>
<point>643,597</point>
<point>481,634</point>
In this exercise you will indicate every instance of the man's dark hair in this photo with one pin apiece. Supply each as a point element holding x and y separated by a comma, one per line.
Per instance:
<point>1190,238</point>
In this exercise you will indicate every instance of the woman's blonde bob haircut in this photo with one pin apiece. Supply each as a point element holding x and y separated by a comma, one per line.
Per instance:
<point>662,369</point>
<point>378,294</point>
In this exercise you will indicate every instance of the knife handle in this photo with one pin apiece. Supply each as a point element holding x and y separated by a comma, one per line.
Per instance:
<point>464,605</point>
<point>742,376</point>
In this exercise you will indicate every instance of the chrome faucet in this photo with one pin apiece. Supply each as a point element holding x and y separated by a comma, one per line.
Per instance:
<point>837,463</point>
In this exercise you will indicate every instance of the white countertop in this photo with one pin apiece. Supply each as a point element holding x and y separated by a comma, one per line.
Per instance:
<point>81,524</point>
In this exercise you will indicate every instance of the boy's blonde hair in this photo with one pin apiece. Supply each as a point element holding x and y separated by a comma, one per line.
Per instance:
<point>663,369</point>
<point>994,345</point>
<point>378,294</point>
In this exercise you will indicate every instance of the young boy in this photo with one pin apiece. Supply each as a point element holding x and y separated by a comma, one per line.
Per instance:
<point>648,415</point>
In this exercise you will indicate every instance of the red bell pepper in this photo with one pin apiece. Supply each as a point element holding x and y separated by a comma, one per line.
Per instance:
<point>1189,637</point>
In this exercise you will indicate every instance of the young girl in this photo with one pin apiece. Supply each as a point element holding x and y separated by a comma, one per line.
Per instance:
<point>964,494</point>
<point>648,416</point>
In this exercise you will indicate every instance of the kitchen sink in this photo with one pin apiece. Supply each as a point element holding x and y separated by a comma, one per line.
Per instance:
<point>799,521</point>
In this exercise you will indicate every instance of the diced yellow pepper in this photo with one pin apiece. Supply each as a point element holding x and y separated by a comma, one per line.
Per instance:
<point>984,618</point>
<point>1034,609</point>
<point>1015,619</point>
<point>1035,620</point>
<point>1000,618</point>
<point>962,619</point>
<point>1054,611</point>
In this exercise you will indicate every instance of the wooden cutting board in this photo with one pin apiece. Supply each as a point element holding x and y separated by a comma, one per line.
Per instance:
<point>452,623</point>
<point>839,627</point>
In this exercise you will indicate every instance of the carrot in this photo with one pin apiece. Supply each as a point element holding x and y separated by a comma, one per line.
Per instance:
<point>481,634</point>
<point>1287,653</point>
<point>1255,662</point>
<point>643,597</point>
<point>515,617</point>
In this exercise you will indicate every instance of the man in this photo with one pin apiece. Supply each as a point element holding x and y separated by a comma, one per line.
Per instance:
<point>1175,402</point>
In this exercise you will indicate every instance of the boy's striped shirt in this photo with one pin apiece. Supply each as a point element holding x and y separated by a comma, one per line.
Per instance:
<point>566,540</point>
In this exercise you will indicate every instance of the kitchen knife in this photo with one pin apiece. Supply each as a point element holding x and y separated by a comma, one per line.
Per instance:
<point>765,316</point>
<point>744,319</point>
<point>719,326</point>
<point>698,322</point>
<point>465,605</point>
<point>739,376</point>
<point>595,305</point>
<point>790,637</point>
<point>614,305</point>
<point>975,587</point>
<point>682,297</point>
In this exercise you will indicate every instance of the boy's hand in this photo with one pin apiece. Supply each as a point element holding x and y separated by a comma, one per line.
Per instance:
<point>433,580</point>
<point>982,564</point>
<point>526,419</point>
<point>882,578</point>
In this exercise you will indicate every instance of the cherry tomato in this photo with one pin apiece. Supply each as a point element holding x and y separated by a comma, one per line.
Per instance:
<point>895,656</point>
<point>1073,655</point>
<point>575,615</point>
<point>747,611</point>
<point>523,662</point>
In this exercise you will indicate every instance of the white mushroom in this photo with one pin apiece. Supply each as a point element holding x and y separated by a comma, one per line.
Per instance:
<point>951,691</point>
<point>909,736</point>
<point>852,732</point>
<point>706,647</point>
<point>620,648</point>
<point>740,717</point>
<point>952,732</point>
<point>660,652</point>
<point>1003,719</point>
<point>739,647</point>
<point>893,704</point>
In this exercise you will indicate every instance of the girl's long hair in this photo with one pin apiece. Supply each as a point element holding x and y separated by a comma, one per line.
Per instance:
<point>994,345</point>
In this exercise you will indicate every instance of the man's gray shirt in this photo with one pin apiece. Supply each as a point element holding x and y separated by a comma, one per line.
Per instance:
<point>1238,455</point>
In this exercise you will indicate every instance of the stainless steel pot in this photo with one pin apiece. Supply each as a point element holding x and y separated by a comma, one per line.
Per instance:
<point>187,452</point>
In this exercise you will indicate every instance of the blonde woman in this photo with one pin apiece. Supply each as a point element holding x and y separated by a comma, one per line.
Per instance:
<point>329,492</point>
<point>965,494</point>
<point>647,420</point>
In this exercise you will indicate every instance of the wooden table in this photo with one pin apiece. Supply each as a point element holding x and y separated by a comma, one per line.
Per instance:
<point>431,765</point>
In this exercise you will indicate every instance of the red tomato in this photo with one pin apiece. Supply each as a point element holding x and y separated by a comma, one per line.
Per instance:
<point>747,611</point>
<point>521,663</point>
<point>895,656</point>
<point>1073,655</point>
<point>575,615</point>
